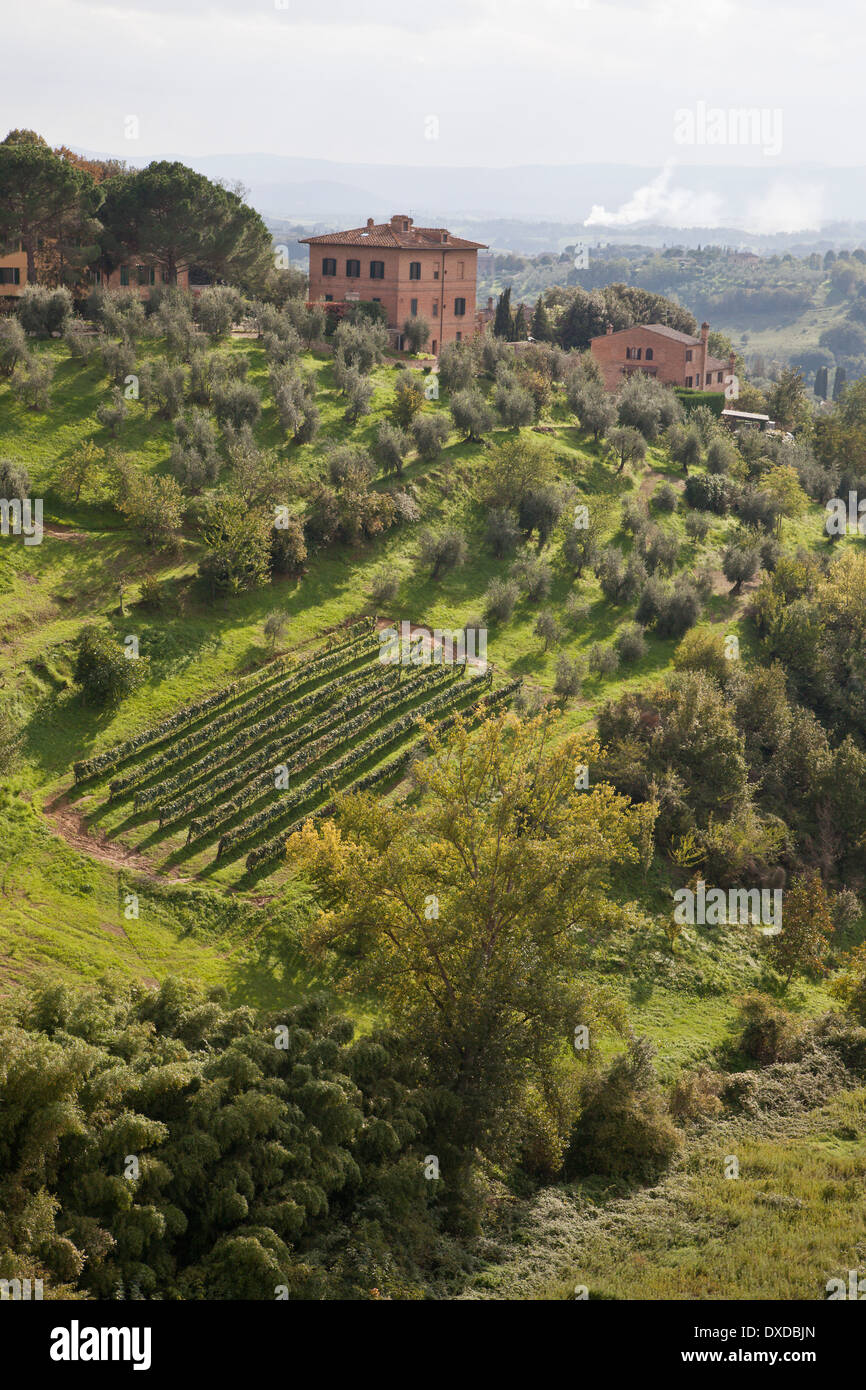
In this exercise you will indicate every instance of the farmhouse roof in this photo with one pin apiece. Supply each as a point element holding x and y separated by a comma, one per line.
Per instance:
<point>400,232</point>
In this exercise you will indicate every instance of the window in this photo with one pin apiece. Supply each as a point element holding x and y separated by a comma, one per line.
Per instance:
<point>124,275</point>
<point>376,299</point>
<point>719,377</point>
<point>413,307</point>
<point>11,275</point>
<point>698,379</point>
<point>688,381</point>
<point>377,270</point>
<point>165,277</point>
<point>353,270</point>
<point>145,275</point>
<point>460,337</point>
<point>459,308</point>
<point>688,354</point>
<point>435,308</point>
<point>329,299</point>
<point>436,273</point>
<point>649,354</point>
<point>414,270</point>
<point>329,266</point>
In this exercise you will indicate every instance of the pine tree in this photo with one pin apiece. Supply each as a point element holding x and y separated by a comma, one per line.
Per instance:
<point>799,948</point>
<point>520,331</point>
<point>503,323</point>
<point>840,381</point>
<point>822,383</point>
<point>542,328</point>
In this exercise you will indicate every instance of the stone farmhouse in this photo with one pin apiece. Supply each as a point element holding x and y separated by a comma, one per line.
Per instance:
<point>409,270</point>
<point>675,358</point>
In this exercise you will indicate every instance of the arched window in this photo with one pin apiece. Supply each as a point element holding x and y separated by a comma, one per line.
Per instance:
<point>649,354</point>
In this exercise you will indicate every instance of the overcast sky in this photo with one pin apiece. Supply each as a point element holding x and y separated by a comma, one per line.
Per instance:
<point>507,81</point>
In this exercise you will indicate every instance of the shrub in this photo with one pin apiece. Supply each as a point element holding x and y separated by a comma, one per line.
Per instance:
<point>13,345</point>
<point>430,433</point>
<point>603,660</point>
<point>151,592</point>
<point>665,498</point>
<point>767,1033</point>
<point>417,331</point>
<point>384,586</point>
<point>102,669</point>
<point>631,643</point>
<point>696,1095</point>
<point>533,576</point>
<point>237,403</point>
<point>456,366</point>
<point>624,1130</point>
<point>217,308</point>
<point>708,492</point>
<point>568,681</point>
<point>703,649</point>
<point>500,599</point>
<point>546,627</point>
<point>471,414</point>
<point>680,610</point>
<point>43,311</point>
<point>391,447</point>
<point>288,547</point>
<point>502,531</point>
<point>112,413</point>
<point>442,550</point>
<point>576,610</point>
<point>697,525</point>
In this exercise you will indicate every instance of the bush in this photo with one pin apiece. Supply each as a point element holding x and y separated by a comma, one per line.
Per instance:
<point>624,1130</point>
<point>288,547</point>
<point>102,669</point>
<point>471,414</point>
<point>430,433</point>
<point>31,382</point>
<point>442,550</point>
<point>14,480</point>
<point>112,413</point>
<point>237,403</point>
<point>533,576</point>
<point>391,447</point>
<point>217,308</point>
<point>42,311</point>
<point>631,643</point>
<point>417,331</point>
<point>680,610</point>
<point>703,649</point>
<point>13,345</point>
<point>665,498</point>
<point>568,681</point>
<point>708,492</point>
<point>384,586</point>
<point>502,531</point>
<point>696,1095</point>
<point>697,526</point>
<point>500,599</point>
<point>576,610</point>
<point>767,1033</point>
<point>151,592</point>
<point>456,366</point>
<point>547,628</point>
<point>603,660</point>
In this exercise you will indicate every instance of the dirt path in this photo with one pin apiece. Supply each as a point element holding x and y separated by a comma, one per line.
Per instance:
<point>70,825</point>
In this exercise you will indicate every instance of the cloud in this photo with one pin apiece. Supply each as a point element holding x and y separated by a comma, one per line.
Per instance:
<point>658,202</point>
<point>786,207</point>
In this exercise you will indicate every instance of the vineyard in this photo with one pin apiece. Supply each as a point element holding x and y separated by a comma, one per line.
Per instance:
<point>217,788</point>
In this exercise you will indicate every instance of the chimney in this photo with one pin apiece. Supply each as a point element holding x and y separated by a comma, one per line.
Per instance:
<point>490,301</point>
<point>370,222</point>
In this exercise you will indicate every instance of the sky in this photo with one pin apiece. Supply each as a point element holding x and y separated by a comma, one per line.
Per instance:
<point>492,82</point>
<point>659,84</point>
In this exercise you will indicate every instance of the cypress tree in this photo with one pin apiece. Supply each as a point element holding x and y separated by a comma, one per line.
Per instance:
<point>503,323</point>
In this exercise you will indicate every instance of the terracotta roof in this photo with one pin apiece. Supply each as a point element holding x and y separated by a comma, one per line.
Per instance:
<point>384,234</point>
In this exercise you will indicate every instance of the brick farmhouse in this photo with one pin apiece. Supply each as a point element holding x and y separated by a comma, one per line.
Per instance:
<point>677,359</point>
<point>409,270</point>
